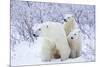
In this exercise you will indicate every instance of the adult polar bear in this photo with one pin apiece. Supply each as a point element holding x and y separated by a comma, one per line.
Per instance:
<point>54,41</point>
<point>73,35</point>
<point>70,23</point>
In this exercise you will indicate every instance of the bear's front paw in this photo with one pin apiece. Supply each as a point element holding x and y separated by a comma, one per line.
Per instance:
<point>62,59</point>
<point>46,60</point>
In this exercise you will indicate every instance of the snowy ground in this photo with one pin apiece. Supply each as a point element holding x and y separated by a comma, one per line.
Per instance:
<point>22,54</point>
<point>25,14</point>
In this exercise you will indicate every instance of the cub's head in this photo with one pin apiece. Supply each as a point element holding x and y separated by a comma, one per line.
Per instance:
<point>69,18</point>
<point>74,35</point>
<point>40,29</point>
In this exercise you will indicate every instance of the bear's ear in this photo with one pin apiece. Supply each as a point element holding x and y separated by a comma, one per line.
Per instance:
<point>75,34</point>
<point>73,16</point>
<point>47,26</point>
<point>79,31</point>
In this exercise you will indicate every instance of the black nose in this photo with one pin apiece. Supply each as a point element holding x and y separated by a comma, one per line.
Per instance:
<point>72,38</point>
<point>35,35</point>
<point>65,20</point>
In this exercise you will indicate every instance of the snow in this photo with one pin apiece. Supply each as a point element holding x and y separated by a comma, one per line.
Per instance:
<point>25,17</point>
<point>25,55</point>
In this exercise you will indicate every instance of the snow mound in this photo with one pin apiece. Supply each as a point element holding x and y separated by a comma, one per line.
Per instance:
<point>25,55</point>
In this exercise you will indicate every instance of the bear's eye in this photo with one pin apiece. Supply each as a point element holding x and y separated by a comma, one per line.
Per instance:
<point>68,17</point>
<point>74,34</point>
<point>72,38</point>
<point>39,29</point>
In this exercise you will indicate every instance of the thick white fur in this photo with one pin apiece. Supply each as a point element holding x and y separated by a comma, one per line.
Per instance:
<point>48,49</point>
<point>75,43</point>
<point>70,23</point>
<point>54,38</point>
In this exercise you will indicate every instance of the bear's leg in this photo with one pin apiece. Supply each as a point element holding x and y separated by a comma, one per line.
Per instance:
<point>46,57</point>
<point>64,52</point>
<point>73,54</point>
<point>56,54</point>
<point>77,53</point>
<point>47,47</point>
<point>70,56</point>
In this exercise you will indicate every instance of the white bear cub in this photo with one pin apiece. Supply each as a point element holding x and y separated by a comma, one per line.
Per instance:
<point>54,41</point>
<point>74,41</point>
<point>69,23</point>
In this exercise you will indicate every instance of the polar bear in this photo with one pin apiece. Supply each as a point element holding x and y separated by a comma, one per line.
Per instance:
<point>49,51</point>
<point>54,41</point>
<point>69,23</point>
<point>74,41</point>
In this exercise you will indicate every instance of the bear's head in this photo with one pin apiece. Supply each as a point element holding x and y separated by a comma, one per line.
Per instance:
<point>40,29</point>
<point>74,35</point>
<point>69,18</point>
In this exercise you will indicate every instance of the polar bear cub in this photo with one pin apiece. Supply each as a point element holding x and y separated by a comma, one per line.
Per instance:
<point>74,41</point>
<point>69,23</point>
<point>54,41</point>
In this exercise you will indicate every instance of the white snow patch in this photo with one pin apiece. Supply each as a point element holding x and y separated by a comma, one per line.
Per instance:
<point>25,55</point>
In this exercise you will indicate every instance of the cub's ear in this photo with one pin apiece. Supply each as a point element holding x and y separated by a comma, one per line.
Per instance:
<point>79,31</point>
<point>47,26</point>
<point>73,16</point>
